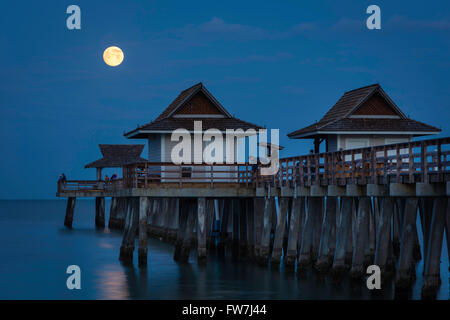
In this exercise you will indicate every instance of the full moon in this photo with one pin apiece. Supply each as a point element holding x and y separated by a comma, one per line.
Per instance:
<point>113,56</point>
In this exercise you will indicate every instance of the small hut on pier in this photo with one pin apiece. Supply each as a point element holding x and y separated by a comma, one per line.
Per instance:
<point>193,104</point>
<point>363,117</point>
<point>116,156</point>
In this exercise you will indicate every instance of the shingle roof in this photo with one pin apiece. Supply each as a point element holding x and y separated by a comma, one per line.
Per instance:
<point>170,124</point>
<point>117,155</point>
<point>336,119</point>
<point>165,121</point>
<point>351,124</point>
<point>179,99</point>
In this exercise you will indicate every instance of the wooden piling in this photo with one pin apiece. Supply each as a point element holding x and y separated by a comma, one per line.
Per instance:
<point>209,223</point>
<point>447,230</point>
<point>142,250</point>
<point>183,210</point>
<point>189,230</point>
<point>131,228</point>
<point>432,279</point>
<point>69,211</point>
<point>243,250</point>
<point>343,234</point>
<point>425,212</point>
<point>280,232</point>
<point>362,239</point>
<point>317,211</point>
<point>226,208</point>
<point>118,213</point>
<point>258,206</point>
<point>250,228</point>
<point>100,212</point>
<point>383,241</point>
<point>112,212</point>
<point>172,220</point>
<point>406,271</point>
<point>297,216</point>
<point>266,232</point>
<point>309,249</point>
<point>328,236</point>
<point>236,215</point>
<point>201,230</point>
<point>397,226</point>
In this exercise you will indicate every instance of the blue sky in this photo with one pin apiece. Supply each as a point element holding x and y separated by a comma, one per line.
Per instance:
<point>279,64</point>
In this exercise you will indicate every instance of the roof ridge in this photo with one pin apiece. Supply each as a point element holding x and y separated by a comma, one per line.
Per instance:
<point>368,86</point>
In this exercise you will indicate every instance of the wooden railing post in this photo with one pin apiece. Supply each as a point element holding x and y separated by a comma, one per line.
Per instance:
<point>411,163</point>
<point>423,156</point>
<point>353,166</point>
<point>308,164</point>
<point>399,162</point>
<point>373,156</point>
<point>439,161</point>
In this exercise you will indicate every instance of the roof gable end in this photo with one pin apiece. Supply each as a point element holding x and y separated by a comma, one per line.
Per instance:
<point>203,99</point>
<point>377,103</point>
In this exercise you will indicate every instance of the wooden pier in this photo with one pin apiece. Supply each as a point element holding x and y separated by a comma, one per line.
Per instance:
<point>337,211</point>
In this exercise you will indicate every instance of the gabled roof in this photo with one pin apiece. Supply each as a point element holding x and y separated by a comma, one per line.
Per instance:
<point>170,120</point>
<point>339,117</point>
<point>185,95</point>
<point>118,155</point>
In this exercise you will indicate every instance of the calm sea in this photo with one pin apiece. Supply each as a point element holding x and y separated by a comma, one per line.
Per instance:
<point>35,250</point>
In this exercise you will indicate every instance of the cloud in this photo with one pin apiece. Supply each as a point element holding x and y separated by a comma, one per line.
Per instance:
<point>219,29</point>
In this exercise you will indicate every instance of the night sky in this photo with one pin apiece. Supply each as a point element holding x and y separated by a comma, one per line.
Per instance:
<point>279,65</point>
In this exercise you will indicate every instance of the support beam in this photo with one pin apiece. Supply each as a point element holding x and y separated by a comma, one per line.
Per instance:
<point>142,250</point>
<point>242,228</point>
<point>182,221</point>
<point>297,219</point>
<point>131,228</point>
<point>280,232</point>
<point>113,212</point>
<point>100,212</point>
<point>383,242</point>
<point>189,230</point>
<point>362,238</point>
<point>236,216</point>
<point>426,212</point>
<point>406,271</point>
<point>432,279</point>
<point>266,232</point>
<point>251,228</point>
<point>226,216</point>
<point>309,250</point>
<point>328,236</point>
<point>69,212</point>
<point>120,215</point>
<point>201,230</point>
<point>172,226</point>
<point>210,220</point>
<point>343,235</point>
<point>258,205</point>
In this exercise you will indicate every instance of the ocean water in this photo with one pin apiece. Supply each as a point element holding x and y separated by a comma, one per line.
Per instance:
<point>35,250</point>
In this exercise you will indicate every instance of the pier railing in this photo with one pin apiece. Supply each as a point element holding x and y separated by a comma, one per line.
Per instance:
<point>409,162</point>
<point>142,175</point>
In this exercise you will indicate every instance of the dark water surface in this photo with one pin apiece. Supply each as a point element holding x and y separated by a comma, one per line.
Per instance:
<point>36,250</point>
